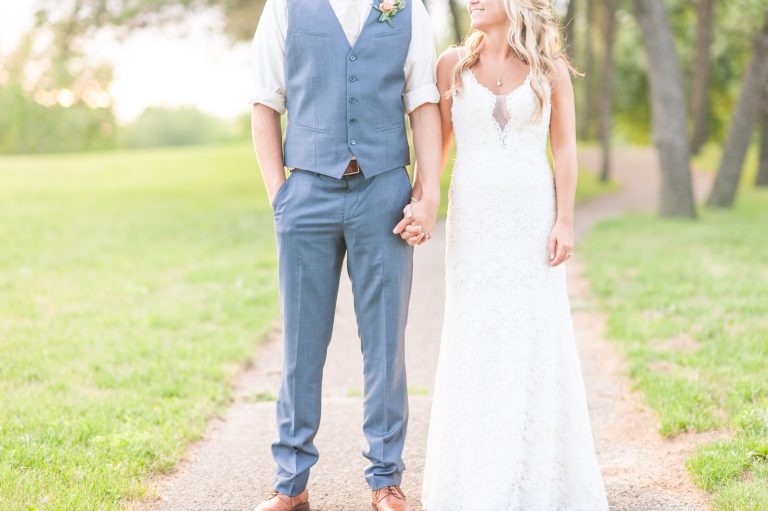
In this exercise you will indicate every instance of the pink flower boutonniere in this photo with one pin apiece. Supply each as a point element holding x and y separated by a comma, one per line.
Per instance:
<point>389,8</point>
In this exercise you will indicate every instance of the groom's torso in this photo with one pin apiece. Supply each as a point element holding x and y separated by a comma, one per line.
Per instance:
<point>345,101</point>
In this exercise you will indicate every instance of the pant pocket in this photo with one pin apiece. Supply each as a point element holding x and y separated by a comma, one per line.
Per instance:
<point>280,192</point>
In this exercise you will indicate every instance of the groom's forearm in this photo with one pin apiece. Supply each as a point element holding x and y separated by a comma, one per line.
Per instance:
<point>425,125</point>
<point>268,144</point>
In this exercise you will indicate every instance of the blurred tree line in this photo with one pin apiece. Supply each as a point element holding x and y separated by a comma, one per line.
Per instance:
<point>678,73</point>
<point>54,99</point>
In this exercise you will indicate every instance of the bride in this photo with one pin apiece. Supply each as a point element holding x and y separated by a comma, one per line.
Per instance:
<point>509,428</point>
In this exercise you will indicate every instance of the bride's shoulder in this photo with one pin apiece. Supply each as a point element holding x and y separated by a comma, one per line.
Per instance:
<point>449,59</point>
<point>562,67</point>
<point>560,77</point>
<point>446,65</point>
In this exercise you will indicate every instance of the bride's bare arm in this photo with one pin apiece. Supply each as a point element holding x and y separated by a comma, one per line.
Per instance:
<point>445,67</point>
<point>562,132</point>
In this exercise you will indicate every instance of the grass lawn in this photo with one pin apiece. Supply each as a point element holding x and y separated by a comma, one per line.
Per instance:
<point>688,302</point>
<point>708,160</point>
<point>132,286</point>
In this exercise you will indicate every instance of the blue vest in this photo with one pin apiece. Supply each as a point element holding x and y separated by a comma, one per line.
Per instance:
<point>341,100</point>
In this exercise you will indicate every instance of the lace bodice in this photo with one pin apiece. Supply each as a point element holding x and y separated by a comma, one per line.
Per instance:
<point>476,123</point>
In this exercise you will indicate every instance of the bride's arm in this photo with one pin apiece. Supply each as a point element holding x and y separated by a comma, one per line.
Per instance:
<point>562,132</point>
<point>445,67</point>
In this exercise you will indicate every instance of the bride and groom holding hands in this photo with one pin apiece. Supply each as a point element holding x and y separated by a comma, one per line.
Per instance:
<point>509,427</point>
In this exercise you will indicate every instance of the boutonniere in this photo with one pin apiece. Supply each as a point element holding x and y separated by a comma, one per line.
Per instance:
<point>389,8</point>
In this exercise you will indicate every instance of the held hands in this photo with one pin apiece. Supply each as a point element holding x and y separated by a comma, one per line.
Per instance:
<point>418,221</point>
<point>560,243</point>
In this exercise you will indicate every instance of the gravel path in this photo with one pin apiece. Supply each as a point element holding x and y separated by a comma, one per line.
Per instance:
<point>231,468</point>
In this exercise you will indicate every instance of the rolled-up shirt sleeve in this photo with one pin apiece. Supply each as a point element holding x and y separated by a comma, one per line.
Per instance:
<point>268,57</point>
<point>420,73</point>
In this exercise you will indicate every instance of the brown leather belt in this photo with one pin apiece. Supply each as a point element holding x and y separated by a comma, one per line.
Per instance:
<point>352,168</point>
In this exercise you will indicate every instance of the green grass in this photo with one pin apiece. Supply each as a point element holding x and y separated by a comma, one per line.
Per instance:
<point>708,160</point>
<point>132,285</point>
<point>688,303</point>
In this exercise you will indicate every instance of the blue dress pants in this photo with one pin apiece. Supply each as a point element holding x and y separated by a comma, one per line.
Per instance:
<point>319,219</point>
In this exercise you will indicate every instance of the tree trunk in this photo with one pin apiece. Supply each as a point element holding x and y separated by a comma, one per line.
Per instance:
<point>587,112</point>
<point>668,108</point>
<point>742,124</point>
<point>762,169</point>
<point>570,30</point>
<point>701,74</point>
<point>458,33</point>
<point>606,81</point>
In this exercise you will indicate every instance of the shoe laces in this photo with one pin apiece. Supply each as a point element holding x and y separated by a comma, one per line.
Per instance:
<point>387,491</point>
<point>272,494</point>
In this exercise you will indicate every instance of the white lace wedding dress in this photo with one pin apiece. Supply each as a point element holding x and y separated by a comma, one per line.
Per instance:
<point>509,429</point>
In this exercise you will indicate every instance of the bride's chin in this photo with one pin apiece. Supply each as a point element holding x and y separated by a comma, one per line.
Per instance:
<point>482,25</point>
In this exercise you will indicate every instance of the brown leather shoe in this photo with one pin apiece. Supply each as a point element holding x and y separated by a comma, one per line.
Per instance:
<point>276,501</point>
<point>389,498</point>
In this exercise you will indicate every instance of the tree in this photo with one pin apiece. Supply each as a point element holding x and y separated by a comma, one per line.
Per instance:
<point>72,18</point>
<point>458,33</point>
<point>762,170</point>
<point>701,74</point>
<point>606,82</point>
<point>742,124</point>
<point>668,109</point>
<point>587,112</point>
<point>570,30</point>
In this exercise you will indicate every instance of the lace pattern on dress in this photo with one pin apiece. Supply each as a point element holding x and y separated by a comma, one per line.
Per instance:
<point>509,429</point>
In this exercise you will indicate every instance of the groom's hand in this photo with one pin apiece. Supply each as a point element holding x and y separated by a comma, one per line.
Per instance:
<point>273,189</point>
<point>419,219</point>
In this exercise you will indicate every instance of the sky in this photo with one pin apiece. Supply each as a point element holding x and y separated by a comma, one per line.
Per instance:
<point>170,66</point>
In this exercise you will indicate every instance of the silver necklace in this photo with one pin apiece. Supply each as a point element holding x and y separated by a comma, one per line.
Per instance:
<point>499,83</point>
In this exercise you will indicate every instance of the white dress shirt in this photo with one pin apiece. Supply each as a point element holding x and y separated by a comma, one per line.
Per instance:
<point>268,53</point>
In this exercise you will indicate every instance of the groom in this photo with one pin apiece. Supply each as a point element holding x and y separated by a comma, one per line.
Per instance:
<point>346,72</point>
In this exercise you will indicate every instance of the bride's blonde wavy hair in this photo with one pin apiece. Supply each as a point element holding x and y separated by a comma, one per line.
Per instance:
<point>534,36</point>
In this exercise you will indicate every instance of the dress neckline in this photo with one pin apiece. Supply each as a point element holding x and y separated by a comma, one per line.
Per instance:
<point>515,89</point>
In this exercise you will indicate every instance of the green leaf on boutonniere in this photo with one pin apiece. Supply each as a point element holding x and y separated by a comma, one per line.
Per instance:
<point>386,15</point>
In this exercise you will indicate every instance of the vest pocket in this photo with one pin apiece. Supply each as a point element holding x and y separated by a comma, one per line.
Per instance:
<point>390,33</point>
<point>312,128</point>
<point>309,31</point>
<point>389,127</point>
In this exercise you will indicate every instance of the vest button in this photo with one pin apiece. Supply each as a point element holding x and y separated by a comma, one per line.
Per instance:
<point>353,78</point>
<point>353,121</point>
<point>353,100</point>
<point>353,141</point>
<point>352,58</point>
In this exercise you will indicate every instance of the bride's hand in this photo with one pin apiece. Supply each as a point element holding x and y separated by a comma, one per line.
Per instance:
<point>419,219</point>
<point>560,243</point>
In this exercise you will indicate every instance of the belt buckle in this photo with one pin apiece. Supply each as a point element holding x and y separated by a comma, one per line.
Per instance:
<point>356,171</point>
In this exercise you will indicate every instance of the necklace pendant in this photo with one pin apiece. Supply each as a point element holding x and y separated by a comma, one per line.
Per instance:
<point>498,82</point>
